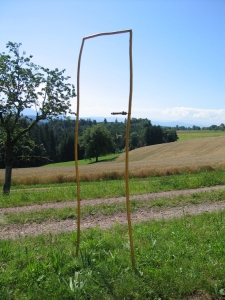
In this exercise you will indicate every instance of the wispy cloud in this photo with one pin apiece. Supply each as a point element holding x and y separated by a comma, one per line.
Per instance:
<point>198,115</point>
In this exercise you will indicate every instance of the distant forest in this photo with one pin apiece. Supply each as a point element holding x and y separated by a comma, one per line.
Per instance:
<point>194,127</point>
<point>55,140</point>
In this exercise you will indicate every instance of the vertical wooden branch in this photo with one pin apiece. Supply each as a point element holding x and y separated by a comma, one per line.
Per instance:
<point>127,140</point>
<point>127,153</point>
<point>76,150</point>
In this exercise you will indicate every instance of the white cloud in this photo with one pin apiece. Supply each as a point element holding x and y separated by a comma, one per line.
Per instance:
<point>198,115</point>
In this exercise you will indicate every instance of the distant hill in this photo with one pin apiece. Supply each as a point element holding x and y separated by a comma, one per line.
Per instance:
<point>31,113</point>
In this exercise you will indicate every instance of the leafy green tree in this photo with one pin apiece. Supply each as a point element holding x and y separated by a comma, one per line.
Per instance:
<point>222,127</point>
<point>194,127</point>
<point>134,140</point>
<point>26,85</point>
<point>153,135</point>
<point>169,135</point>
<point>157,135</point>
<point>97,141</point>
<point>213,127</point>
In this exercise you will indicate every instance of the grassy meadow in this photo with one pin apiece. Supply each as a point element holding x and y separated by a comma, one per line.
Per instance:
<point>83,162</point>
<point>39,194</point>
<point>180,258</point>
<point>175,259</point>
<point>185,135</point>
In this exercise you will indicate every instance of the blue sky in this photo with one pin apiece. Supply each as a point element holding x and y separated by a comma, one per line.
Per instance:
<point>178,53</point>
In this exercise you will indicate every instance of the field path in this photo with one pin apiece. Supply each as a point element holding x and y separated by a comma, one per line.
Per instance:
<point>15,231</point>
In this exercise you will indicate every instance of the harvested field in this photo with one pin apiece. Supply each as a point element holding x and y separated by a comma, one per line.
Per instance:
<point>212,147</point>
<point>171,158</point>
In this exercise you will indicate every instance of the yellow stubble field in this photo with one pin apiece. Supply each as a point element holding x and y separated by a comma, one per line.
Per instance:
<point>172,158</point>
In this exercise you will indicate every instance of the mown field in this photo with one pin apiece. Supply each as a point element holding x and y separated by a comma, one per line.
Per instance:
<point>189,156</point>
<point>181,258</point>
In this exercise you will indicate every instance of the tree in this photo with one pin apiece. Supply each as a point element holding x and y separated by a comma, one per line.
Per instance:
<point>194,127</point>
<point>134,140</point>
<point>97,141</point>
<point>26,85</point>
<point>222,127</point>
<point>153,135</point>
<point>213,127</point>
<point>169,135</point>
<point>157,135</point>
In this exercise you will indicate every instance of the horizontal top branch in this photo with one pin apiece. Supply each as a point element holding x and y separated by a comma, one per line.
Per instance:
<point>107,33</point>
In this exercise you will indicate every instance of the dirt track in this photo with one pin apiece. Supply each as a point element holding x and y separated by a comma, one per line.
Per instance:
<point>15,231</point>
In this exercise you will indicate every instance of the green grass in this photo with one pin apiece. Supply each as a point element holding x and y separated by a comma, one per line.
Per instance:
<point>175,259</point>
<point>54,214</point>
<point>113,188</point>
<point>84,161</point>
<point>185,135</point>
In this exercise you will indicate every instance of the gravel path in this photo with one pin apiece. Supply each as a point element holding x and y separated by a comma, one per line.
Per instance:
<point>15,231</point>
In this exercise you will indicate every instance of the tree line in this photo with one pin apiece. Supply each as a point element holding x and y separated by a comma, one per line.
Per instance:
<point>194,127</point>
<point>53,141</point>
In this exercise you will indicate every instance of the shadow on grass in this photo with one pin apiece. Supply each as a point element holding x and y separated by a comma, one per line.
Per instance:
<point>101,160</point>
